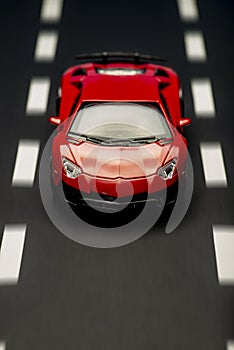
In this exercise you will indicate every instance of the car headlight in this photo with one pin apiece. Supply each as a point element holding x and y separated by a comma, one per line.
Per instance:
<point>167,171</point>
<point>71,170</point>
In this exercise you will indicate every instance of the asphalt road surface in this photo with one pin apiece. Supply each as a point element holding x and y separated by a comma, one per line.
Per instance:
<point>167,292</point>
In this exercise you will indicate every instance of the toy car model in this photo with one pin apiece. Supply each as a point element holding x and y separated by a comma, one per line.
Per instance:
<point>119,137</point>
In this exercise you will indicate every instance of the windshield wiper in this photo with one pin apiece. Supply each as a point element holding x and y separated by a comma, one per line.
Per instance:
<point>108,140</point>
<point>146,139</point>
<point>91,138</point>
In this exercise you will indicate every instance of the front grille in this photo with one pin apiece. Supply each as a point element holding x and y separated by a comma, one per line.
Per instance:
<point>107,198</point>
<point>74,196</point>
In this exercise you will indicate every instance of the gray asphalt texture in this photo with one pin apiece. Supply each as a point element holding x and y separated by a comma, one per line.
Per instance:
<point>162,291</point>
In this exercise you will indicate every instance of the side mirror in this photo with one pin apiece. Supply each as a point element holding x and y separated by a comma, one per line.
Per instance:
<point>55,120</point>
<point>184,121</point>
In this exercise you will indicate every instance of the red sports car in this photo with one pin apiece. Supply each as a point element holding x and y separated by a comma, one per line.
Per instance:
<point>119,138</point>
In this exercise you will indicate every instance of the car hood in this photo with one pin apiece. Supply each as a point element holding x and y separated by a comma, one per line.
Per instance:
<point>120,162</point>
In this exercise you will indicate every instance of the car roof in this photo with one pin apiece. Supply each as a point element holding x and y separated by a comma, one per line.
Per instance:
<point>120,88</point>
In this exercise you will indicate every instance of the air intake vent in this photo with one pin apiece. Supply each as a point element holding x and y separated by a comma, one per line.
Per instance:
<point>79,71</point>
<point>161,73</point>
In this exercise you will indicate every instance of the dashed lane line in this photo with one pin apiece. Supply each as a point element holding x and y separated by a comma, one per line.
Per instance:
<point>38,96</point>
<point>211,153</point>
<point>230,345</point>
<point>26,163</point>
<point>195,46</point>
<point>2,345</point>
<point>51,10</point>
<point>188,10</point>
<point>203,99</point>
<point>11,253</point>
<point>46,46</point>
<point>224,249</point>
<point>213,164</point>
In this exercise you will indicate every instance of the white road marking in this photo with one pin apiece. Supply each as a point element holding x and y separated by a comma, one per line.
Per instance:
<point>213,164</point>
<point>224,250</point>
<point>188,10</point>
<point>195,46</point>
<point>26,163</point>
<point>230,345</point>
<point>51,10</point>
<point>46,46</point>
<point>203,97</point>
<point>11,253</point>
<point>38,96</point>
<point>2,345</point>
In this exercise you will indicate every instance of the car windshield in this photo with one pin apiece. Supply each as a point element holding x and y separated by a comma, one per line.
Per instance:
<point>120,121</point>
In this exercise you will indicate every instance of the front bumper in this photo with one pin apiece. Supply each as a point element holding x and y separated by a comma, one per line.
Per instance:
<point>112,203</point>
